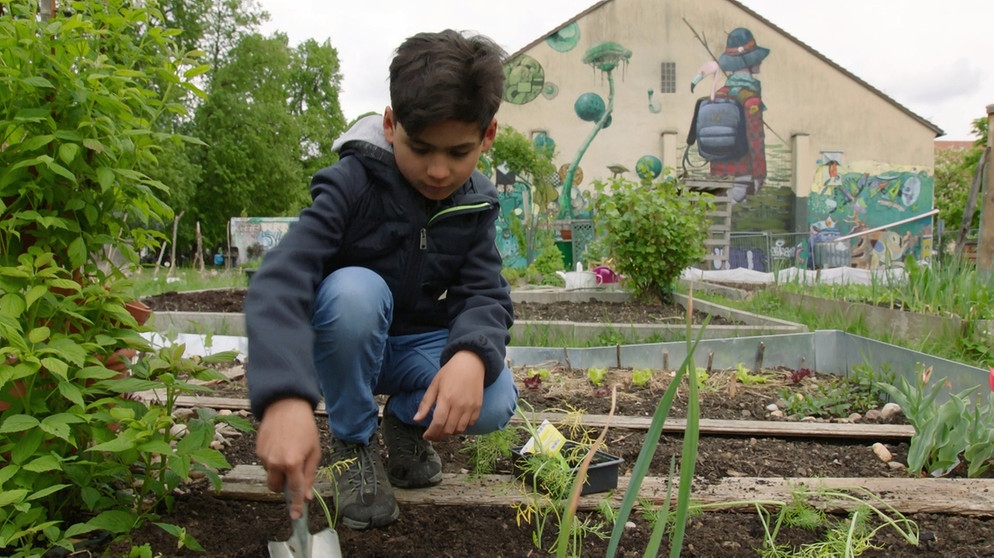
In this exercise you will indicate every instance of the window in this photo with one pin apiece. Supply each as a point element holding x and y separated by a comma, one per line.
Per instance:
<point>668,82</point>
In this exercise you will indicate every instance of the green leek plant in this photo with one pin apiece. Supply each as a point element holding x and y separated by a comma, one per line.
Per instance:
<point>688,457</point>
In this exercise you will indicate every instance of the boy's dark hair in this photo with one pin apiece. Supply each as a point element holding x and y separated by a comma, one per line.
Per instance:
<point>436,77</point>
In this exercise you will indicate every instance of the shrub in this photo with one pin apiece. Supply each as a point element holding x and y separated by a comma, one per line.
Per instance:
<point>79,96</point>
<point>653,231</point>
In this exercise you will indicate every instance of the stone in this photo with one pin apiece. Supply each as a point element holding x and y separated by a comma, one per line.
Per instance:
<point>882,452</point>
<point>890,410</point>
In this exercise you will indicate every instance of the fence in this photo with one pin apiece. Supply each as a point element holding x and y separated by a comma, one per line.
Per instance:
<point>764,252</point>
<point>759,251</point>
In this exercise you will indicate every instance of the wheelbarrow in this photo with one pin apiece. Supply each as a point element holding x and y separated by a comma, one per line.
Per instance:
<point>302,544</point>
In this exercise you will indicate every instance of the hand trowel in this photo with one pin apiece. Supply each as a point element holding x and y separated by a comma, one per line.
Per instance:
<point>302,544</point>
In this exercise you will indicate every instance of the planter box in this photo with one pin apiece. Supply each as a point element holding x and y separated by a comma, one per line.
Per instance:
<point>602,474</point>
<point>233,323</point>
<point>910,326</point>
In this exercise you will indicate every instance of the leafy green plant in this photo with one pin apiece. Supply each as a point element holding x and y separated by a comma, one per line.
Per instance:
<point>654,231</point>
<point>744,376</point>
<point>835,396</point>
<point>596,375</point>
<point>548,260</point>
<point>486,450</point>
<point>641,377</point>
<point>957,430</point>
<point>79,95</point>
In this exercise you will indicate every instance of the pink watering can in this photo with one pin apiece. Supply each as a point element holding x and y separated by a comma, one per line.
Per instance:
<point>606,275</point>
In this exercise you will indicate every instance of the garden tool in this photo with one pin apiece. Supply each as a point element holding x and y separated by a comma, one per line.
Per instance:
<point>302,544</point>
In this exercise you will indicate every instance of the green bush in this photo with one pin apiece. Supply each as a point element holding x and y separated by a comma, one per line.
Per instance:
<point>653,231</point>
<point>79,97</point>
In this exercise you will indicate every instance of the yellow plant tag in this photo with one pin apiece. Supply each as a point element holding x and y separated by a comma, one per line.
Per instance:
<point>549,441</point>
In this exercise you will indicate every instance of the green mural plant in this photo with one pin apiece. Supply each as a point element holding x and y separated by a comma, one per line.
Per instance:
<point>591,107</point>
<point>653,231</point>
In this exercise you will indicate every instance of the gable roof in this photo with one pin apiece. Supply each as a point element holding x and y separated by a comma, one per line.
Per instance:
<point>938,131</point>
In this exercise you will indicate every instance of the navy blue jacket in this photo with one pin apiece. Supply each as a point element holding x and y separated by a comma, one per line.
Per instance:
<point>439,259</point>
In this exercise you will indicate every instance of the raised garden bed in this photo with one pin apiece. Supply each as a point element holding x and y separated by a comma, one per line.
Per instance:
<point>572,316</point>
<point>743,455</point>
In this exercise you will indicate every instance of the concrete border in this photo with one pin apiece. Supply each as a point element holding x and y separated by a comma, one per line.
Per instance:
<point>218,323</point>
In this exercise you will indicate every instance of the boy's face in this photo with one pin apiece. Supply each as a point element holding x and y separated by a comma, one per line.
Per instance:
<point>440,159</point>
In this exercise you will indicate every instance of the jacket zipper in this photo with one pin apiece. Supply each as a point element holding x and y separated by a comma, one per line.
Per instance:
<point>472,208</point>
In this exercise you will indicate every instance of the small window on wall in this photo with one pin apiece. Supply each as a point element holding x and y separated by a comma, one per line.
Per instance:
<point>668,82</point>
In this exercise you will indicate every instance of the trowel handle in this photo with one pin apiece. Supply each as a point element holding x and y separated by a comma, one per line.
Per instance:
<point>300,540</point>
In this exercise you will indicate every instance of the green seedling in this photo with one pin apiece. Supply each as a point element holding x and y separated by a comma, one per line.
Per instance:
<point>597,376</point>
<point>745,377</point>
<point>540,373</point>
<point>641,376</point>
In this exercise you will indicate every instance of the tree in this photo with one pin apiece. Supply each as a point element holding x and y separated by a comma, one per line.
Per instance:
<point>224,25</point>
<point>315,83</point>
<point>954,175</point>
<point>268,122</point>
<point>526,160</point>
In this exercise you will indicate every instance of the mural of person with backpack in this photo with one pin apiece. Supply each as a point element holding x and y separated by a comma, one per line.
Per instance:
<point>728,125</point>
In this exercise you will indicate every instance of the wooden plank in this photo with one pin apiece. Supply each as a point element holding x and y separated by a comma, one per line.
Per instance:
<point>718,427</point>
<point>673,425</point>
<point>973,497</point>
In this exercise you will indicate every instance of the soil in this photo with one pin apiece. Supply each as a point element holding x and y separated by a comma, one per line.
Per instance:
<point>592,311</point>
<point>235,528</point>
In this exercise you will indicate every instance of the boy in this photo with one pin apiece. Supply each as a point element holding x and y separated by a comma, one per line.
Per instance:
<point>390,283</point>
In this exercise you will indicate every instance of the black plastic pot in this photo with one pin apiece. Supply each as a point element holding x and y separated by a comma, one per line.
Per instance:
<point>602,474</point>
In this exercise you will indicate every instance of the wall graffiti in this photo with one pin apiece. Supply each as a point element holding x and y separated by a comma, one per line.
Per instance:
<point>251,237</point>
<point>565,39</point>
<point>849,199</point>
<point>514,200</point>
<point>728,124</point>
<point>524,80</point>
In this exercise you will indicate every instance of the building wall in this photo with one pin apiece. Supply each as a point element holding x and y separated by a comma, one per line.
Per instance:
<point>815,113</point>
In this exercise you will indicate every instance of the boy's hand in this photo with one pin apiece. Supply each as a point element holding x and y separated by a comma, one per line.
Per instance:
<point>289,449</point>
<point>457,395</point>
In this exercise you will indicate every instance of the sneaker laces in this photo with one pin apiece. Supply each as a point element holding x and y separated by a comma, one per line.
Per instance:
<point>359,466</point>
<point>410,439</point>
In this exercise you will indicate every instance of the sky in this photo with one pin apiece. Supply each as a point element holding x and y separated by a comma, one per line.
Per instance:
<point>927,55</point>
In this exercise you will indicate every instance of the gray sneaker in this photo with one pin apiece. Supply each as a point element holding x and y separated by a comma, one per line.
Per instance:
<point>411,461</point>
<point>363,497</point>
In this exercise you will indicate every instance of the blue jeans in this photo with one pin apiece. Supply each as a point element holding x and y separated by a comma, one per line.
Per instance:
<point>356,359</point>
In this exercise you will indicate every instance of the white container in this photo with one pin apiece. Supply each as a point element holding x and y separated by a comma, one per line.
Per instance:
<point>580,279</point>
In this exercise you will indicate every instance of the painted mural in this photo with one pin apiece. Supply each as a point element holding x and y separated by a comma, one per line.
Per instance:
<point>251,237</point>
<point>849,202</point>
<point>526,82</point>
<point>728,125</point>
<point>515,197</point>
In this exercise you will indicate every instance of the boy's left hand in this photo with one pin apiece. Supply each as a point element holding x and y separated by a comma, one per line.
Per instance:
<point>457,395</point>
